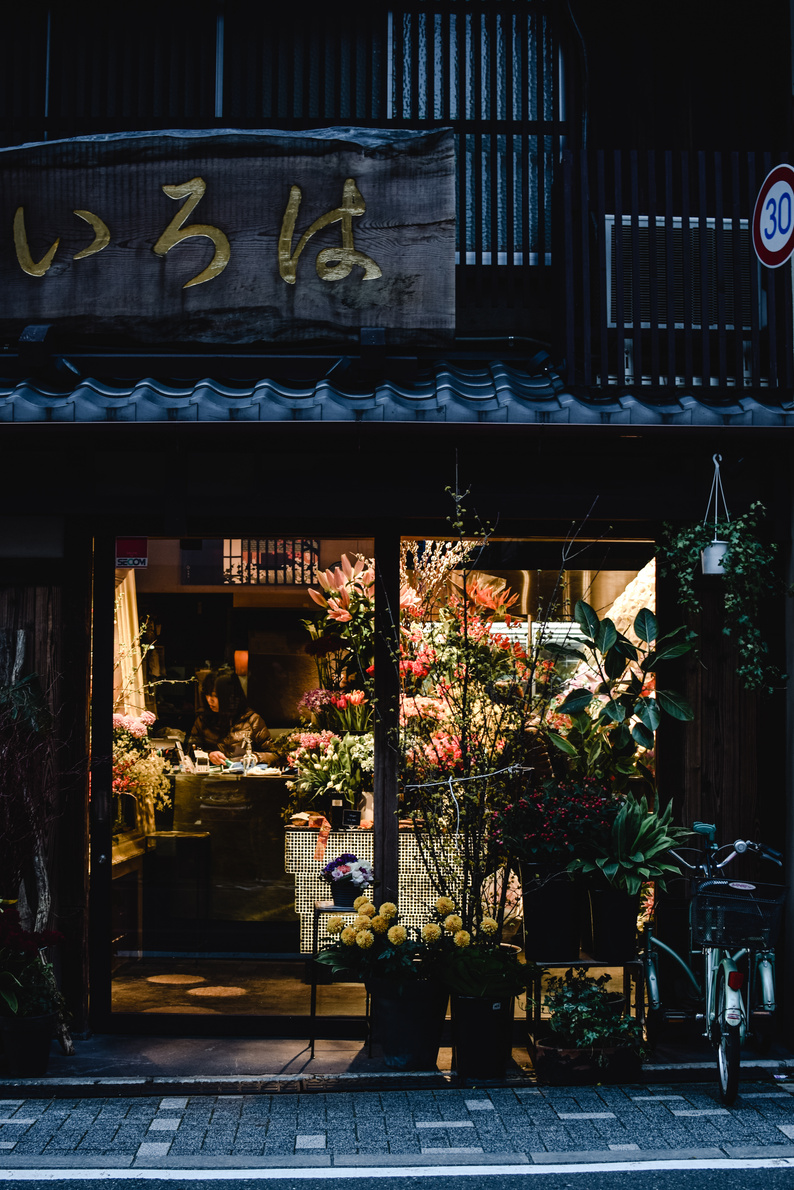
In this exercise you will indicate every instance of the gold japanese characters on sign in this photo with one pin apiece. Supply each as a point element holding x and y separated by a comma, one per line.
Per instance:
<point>332,264</point>
<point>304,237</point>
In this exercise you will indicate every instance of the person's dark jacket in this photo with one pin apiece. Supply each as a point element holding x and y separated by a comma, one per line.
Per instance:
<point>213,733</point>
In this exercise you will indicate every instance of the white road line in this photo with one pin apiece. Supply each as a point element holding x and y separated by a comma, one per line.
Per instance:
<point>586,1115</point>
<point>700,1111</point>
<point>444,1124</point>
<point>348,1173</point>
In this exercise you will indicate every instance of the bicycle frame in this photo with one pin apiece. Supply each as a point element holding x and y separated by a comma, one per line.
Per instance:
<point>716,960</point>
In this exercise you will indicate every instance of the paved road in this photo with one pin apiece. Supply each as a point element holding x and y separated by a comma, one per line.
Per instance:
<point>506,1127</point>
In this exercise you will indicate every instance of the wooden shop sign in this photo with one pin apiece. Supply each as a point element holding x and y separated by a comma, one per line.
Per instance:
<point>231,237</point>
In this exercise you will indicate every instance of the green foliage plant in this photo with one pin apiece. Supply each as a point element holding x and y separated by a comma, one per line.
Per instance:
<point>749,578</point>
<point>634,850</point>
<point>615,714</point>
<point>27,982</point>
<point>583,1014</point>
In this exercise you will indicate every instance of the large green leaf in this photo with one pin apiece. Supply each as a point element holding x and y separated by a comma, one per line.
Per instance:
<point>560,742</point>
<point>614,663</point>
<point>647,711</point>
<point>642,736</point>
<point>575,702</point>
<point>675,705</point>
<point>607,636</point>
<point>645,625</point>
<point>613,711</point>
<point>586,618</point>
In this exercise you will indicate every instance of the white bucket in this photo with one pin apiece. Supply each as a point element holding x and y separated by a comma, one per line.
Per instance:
<point>712,557</point>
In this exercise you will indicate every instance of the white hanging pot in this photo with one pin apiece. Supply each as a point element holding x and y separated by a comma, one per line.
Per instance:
<point>712,557</point>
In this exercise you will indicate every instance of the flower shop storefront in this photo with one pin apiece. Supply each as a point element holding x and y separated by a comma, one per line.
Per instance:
<point>218,856</point>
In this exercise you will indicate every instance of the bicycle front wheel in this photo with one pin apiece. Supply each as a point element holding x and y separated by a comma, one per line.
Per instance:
<point>728,1048</point>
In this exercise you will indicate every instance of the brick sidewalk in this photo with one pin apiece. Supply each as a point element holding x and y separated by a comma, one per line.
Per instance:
<point>455,1126</point>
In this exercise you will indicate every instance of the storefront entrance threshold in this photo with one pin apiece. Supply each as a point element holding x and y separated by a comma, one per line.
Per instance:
<point>109,1065</point>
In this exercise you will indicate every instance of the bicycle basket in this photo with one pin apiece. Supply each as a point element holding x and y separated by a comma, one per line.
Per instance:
<point>733,913</point>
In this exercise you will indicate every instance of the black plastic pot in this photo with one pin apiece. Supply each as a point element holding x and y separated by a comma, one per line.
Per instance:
<point>407,1019</point>
<point>613,917</point>
<point>562,1066</point>
<point>482,1035</point>
<point>344,893</point>
<point>552,913</point>
<point>26,1043</point>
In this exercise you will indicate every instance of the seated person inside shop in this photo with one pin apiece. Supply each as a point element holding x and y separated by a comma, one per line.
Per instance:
<point>226,721</point>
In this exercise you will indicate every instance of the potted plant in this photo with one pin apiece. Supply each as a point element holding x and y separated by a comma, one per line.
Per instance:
<point>617,862</point>
<point>30,1002</point>
<point>401,971</point>
<point>604,723</point>
<point>483,976</point>
<point>588,1038</point>
<point>540,832</point>
<point>347,876</point>
<point>748,574</point>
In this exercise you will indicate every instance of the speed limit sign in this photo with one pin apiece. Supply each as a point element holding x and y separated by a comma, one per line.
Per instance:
<point>773,217</point>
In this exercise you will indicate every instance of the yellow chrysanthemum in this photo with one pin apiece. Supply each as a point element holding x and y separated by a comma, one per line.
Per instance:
<point>335,925</point>
<point>359,901</point>
<point>364,939</point>
<point>462,938</point>
<point>397,935</point>
<point>453,923</point>
<point>361,922</point>
<point>388,909</point>
<point>445,905</point>
<point>379,924</point>
<point>431,932</point>
<point>488,925</point>
<point>367,909</point>
<point>348,935</point>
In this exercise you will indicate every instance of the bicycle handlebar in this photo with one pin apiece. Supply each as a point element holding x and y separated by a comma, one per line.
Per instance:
<point>737,848</point>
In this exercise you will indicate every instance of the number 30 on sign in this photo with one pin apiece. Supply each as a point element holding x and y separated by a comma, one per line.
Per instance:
<point>773,217</point>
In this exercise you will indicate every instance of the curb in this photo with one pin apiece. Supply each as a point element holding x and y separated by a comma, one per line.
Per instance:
<point>275,1084</point>
<point>562,1158</point>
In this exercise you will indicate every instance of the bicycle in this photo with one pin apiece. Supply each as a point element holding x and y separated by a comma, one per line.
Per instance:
<point>734,924</point>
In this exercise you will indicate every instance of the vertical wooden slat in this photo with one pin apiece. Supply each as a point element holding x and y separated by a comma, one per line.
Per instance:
<point>584,248</point>
<point>636,279</point>
<point>569,285</point>
<point>703,280</point>
<point>603,265</point>
<point>387,694</point>
<point>686,261</point>
<point>101,778</point>
<point>653,269</point>
<point>620,335</point>
<point>719,251</point>
<point>755,294</point>
<point>669,261</point>
<point>738,239</point>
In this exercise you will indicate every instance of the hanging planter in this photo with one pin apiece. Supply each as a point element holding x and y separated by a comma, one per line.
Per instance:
<point>734,551</point>
<point>712,556</point>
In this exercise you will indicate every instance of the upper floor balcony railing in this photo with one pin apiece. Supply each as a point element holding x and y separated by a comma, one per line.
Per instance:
<point>662,288</point>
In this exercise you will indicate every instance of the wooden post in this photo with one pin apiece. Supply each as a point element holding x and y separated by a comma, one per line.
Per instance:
<point>387,694</point>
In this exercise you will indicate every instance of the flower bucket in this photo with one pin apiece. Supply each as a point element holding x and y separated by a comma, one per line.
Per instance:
<point>344,893</point>
<point>613,917</point>
<point>712,557</point>
<point>407,1020</point>
<point>26,1042</point>
<point>552,913</point>
<point>482,1035</point>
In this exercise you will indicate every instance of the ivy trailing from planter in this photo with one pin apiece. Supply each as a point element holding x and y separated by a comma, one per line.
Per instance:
<point>749,577</point>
